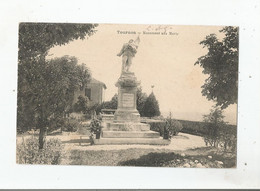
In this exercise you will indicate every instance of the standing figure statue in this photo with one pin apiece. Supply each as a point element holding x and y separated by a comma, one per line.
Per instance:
<point>127,52</point>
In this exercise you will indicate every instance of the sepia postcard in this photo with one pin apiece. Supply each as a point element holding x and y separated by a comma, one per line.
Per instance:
<point>130,94</point>
<point>136,95</point>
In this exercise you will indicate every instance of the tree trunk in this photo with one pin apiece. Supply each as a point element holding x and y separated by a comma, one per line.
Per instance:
<point>225,146</point>
<point>42,125</point>
<point>42,137</point>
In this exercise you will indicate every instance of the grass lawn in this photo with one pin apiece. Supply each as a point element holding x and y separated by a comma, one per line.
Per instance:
<point>153,158</point>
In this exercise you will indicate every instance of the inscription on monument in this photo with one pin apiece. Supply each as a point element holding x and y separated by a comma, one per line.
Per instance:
<point>128,100</point>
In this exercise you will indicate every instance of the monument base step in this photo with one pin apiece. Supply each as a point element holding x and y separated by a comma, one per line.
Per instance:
<point>127,116</point>
<point>114,126</point>
<point>131,141</point>
<point>130,134</point>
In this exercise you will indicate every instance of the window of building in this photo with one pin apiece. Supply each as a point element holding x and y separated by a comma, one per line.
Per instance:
<point>88,93</point>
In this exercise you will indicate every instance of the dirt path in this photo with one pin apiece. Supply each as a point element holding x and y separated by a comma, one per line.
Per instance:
<point>181,142</point>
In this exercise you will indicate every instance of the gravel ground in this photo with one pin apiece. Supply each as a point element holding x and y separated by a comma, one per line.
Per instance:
<point>181,142</point>
<point>178,143</point>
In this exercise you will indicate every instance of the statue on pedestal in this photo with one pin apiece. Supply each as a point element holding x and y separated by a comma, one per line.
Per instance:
<point>126,127</point>
<point>127,52</point>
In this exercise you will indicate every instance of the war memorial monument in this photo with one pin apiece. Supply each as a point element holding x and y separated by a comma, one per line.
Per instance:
<point>126,127</point>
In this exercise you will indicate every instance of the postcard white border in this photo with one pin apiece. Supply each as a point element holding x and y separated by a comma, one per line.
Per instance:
<point>245,14</point>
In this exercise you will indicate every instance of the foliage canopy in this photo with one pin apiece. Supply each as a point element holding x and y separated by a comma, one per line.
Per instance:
<point>45,88</point>
<point>35,39</point>
<point>221,64</point>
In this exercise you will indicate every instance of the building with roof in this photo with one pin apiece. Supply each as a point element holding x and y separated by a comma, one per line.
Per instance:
<point>95,91</point>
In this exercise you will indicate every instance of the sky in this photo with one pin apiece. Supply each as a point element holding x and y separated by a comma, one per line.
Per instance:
<point>163,60</point>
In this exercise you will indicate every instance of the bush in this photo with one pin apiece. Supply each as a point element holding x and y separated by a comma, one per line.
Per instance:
<point>66,124</point>
<point>56,123</point>
<point>87,116</point>
<point>81,105</point>
<point>174,126</point>
<point>157,126</point>
<point>228,138</point>
<point>218,133</point>
<point>71,125</point>
<point>223,137</point>
<point>170,126</point>
<point>29,153</point>
<point>112,104</point>
<point>226,135</point>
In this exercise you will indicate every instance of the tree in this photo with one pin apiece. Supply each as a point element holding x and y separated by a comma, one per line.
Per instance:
<point>221,64</point>
<point>64,77</point>
<point>151,106</point>
<point>218,132</point>
<point>113,103</point>
<point>45,88</point>
<point>81,105</point>
<point>173,126</point>
<point>36,39</point>
<point>50,93</point>
<point>140,100</point>
<point>214,123</point>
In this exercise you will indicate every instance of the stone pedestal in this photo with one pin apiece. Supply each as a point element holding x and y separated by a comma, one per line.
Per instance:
<point>126,127</point>
<point>127,88</point>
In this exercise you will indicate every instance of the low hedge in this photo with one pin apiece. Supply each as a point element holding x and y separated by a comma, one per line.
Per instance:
<point>193,127</point>
<point>199,128</point>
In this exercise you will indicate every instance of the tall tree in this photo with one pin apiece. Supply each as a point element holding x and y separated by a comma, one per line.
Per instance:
<point>46,86</point>
<point>64,77</point>
<point>221,64</point>
<point>50,91</point>
<point>151,106</point>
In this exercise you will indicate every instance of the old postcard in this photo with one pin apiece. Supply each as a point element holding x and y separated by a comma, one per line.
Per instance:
<point>127,95</point>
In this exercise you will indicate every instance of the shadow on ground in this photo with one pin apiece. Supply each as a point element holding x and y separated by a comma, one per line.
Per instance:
<point>208,157</point>
<point>153,158</point>
<point>180,137</point>
<point>77,141</point>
